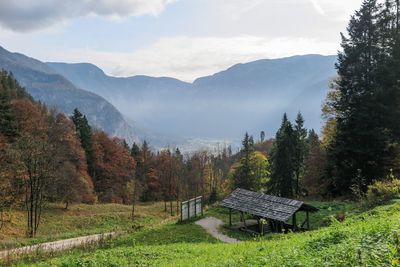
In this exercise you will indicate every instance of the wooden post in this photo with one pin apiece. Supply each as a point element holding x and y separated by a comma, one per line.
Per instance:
<point>230,217</point>
<point>294,222</point>
<point>195,207</point>
<point>181,213</point>
<point>308,220</point>
<point>201,201</point>
<point>188,203</point>
<point>244,220</point>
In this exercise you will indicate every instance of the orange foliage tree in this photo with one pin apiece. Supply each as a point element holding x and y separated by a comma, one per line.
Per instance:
<point>114,169</point>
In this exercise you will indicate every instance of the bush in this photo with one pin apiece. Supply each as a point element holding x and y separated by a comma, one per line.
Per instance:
<point>383,191</point>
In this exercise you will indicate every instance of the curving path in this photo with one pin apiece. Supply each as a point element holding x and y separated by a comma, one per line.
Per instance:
<point>211,225</point>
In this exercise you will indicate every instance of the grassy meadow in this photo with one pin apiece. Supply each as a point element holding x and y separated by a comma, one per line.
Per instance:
<point>366,237</point>
<point>79,220</point>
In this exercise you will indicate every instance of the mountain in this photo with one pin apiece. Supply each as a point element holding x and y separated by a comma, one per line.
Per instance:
<point>246,97</point>
<point>53,89</point>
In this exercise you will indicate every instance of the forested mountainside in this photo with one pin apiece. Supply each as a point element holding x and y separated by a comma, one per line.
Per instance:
<point>46,85</point>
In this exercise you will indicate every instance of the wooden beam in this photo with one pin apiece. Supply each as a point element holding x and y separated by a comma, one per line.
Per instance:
<point>195,207</point>
<point>308,220</point>
<point>181,213</point>
<point>294,222</point>
<point>243,219</point>
<point>201,201</point>
<point>230,217</point>
<point>188,203</point>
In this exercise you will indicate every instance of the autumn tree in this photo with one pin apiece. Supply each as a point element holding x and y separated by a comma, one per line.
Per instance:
<point>168,175</point>
<point>11,179</point>
<point>114,167</point>
<point>37,157</point>
<point>72,182</point>
<point>314,182</point>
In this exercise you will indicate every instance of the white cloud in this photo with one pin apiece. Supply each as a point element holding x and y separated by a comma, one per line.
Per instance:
<point>28,15</point>
<point>317,7</point>
<point>336,9</point>
<point>188,58</point>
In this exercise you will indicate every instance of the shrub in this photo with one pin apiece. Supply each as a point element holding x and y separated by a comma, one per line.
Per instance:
<point>383,191</point>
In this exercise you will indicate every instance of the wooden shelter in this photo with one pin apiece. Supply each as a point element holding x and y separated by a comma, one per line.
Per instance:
<point>276,211</point>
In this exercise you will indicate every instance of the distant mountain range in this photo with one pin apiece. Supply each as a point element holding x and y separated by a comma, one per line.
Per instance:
<point>246,97</point>
<point>166,111</point>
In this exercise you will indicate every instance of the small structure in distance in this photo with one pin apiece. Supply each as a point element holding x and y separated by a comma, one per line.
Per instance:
<point>275,211</point>
<point>192,208</point>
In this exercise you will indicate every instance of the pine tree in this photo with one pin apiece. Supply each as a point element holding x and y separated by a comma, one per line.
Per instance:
<point>262,136</point>
<point>135,151</point>
<point>9,89</point>
<point>85,135</point>
<point>243,175</point>
<point>359,145</point>
<point>390,83</point>
<point>282,166</point>
<point>7,121</point>
<point>300,149</point>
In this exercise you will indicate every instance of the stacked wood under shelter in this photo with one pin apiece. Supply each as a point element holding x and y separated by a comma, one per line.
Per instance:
<point>274,211</point>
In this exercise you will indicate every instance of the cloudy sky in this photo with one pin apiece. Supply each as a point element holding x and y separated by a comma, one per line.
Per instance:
<point>185,39</point>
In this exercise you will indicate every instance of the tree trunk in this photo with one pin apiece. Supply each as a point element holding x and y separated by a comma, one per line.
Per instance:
<point>133,210</point>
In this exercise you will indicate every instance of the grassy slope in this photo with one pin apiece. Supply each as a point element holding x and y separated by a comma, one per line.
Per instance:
<point>79,220</point>
<point>366,239</point>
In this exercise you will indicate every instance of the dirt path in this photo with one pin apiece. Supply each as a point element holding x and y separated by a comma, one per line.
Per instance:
<point>57,245</point>
<point>212,225</point>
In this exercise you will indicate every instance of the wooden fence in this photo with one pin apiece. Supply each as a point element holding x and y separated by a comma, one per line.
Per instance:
<point>192,208</point>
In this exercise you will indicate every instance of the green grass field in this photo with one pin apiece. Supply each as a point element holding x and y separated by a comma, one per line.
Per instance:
<point>78,220</point>
<point>365,238</point>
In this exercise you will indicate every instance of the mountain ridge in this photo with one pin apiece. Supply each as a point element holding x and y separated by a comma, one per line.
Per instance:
<point>262,89</point>
<point>53,89</point>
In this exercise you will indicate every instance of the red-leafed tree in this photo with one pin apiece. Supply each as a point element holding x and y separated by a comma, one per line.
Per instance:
<point>72,182</point>
<point>114,169</point>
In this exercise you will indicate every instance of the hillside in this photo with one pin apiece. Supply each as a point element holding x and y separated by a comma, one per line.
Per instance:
<point>255,94</point>
<point>365,239</point>
<point>49,87</point>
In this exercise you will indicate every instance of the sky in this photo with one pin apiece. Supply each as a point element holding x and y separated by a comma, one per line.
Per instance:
<point>185,39</point>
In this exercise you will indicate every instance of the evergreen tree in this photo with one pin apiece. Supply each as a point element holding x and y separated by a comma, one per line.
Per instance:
<point>262,136</point>
<point>300,150</point>
<point>7,121</point>
<point>388,78</point>
<point>243,175</point>
<point>135,151</point>
<point>359,145</point>
<point>282,163</point>
<point>85,135</point>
